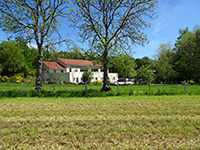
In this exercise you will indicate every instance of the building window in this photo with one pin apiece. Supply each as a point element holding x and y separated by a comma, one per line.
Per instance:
<point>113,78</point>
<point>82,69</point>
<point>96,78</point>
<point>94,69</point>
<point>54,71</point>
<point>70,69</point>
<point>77,80</point>
<point>102,70</point>
<point>61,71</point>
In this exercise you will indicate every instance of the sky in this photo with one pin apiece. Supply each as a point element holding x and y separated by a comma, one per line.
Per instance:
<point>172,15</point>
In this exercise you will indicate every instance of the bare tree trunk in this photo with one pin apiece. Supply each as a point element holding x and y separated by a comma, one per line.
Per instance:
<point>54,88</point>
<point>105,87</point>
<point>39,72</point>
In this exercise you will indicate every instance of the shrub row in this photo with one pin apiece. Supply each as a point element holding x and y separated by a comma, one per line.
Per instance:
<point>90,93</point>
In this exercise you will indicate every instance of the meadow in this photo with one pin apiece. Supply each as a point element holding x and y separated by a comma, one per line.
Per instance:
<point>119,122</point>
<point>166,117</point>
<point>72,90</point>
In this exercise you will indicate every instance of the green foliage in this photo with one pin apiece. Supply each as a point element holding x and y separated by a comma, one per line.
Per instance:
<point>20,58</point>
<point>33,72</point>
<point>36,20</point>
<point>1,68</point>
<point>121,23</point>
<point>11,57</point>
<point>74,52</point>
<point>4,78</point>
<point>145,75</point>
<point>165,62</point>
<point>188,51</point>
<point>124,65</point>
<point>87,75</point>
<point>97,82</point>
<point>30,55</point>
<point>145,61</point>
<point>191,82</point>
<point>56,77</point>
<point>72,90</point>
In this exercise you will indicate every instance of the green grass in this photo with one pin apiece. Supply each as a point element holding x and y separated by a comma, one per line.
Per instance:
<point>128,122</point>
<point>71,90</point>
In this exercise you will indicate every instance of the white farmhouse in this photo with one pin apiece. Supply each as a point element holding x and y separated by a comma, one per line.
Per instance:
<point>71,70</point>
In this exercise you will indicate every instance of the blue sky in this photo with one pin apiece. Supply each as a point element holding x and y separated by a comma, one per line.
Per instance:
<point>172,16</point>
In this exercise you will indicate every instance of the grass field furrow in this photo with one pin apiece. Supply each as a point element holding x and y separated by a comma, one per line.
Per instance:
<point>129,122</point>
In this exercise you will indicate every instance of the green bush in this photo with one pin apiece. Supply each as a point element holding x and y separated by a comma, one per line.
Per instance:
<point>4,78</point>
<point>191,82</point>
<point>97,82</point>
<point>33,72</point>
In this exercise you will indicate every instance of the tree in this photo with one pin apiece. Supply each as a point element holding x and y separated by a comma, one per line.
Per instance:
<point>1,68</point>
<point>145,61</point>
<point>74,52</point>
<point>56,78</point>
<point>113,23</point>
<point>145,75</point>
<point>124,65</point>
<point>165,62</point>
<point>87,75</point>
<point>36,20</point>
<point>94,53</point>
<point>30,55</point>
<point>188,54</point>
<point>11,57</point>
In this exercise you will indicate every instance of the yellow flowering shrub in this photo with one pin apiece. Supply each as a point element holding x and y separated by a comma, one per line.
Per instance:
<point>99,82</point>
<point>19,79</point>
<point>33,72</point>
<point>27,81</point>
<point>191,82</point>
<point>4,78</point>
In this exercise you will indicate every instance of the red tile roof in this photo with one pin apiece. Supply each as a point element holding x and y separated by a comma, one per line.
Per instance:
<point>77,62</point>
<point>53,65</point>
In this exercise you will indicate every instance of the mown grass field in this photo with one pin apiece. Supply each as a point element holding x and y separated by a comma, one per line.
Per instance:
<point>123,122</point>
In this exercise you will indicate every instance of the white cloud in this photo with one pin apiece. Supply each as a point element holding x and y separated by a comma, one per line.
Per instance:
<point>158,27</point>
<point>31,45</point>
<point>177,7</point>
<point>153,43</point>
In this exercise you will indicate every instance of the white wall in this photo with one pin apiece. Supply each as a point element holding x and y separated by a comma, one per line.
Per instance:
<point>56,71</point>
<point>75,75</point>
<point>98,76</point>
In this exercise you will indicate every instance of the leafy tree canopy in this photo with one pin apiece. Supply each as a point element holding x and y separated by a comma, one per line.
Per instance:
<point>145,74</point>
<point>165,62</point>
<point>87,75</point>
<point>11,57</point>
<point>124,65</point>
<point>188,53</point>
<point>113,23</point>
<point>36,20</point>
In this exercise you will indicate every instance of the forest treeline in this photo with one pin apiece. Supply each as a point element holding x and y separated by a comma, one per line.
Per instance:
<point>171,63</point>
